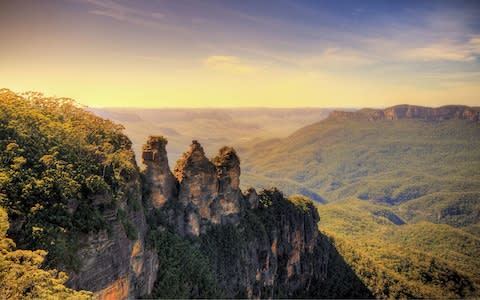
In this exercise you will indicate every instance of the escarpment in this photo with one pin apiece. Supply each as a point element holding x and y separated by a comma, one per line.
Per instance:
<point>115,263</point>
<point>196,220</point>
<point>411,112</point>
<point>258,245</point>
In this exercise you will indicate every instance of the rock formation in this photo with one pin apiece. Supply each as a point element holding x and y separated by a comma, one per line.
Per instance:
<point>260,245</point>
<point>159,178</point>
<point>208,191</point>
<point>411,112</point>
<point>284,260</point>
<point>281,258</point>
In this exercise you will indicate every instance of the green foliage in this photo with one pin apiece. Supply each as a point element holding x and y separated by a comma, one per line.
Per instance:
<point>301,202</point>
<point>55,159</point>
<point>96,184</point>
<point>339,281</point>
<point>183,271</point>
<point>223,245</point>
<point>394,162</point>
<point>203,266</point>
<point>388,182</point>
<point>395,261</point>
<point>21,276</point>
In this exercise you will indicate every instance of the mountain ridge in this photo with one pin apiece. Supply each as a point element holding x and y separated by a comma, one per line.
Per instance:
<point>406,111</point>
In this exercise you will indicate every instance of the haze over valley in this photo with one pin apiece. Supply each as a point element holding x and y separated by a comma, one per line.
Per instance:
<point>213,127</point>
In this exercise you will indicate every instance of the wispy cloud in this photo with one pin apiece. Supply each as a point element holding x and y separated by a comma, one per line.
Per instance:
<point>228,64</point>
<point>334,55</point>
<point>447,51</point>
<point>325,56</point>
<point>121,12</point>
<point>466,49</point>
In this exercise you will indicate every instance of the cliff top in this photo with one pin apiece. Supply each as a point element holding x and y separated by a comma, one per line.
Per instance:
<point>227,156</point>
<point>406,111</point>
<point>155,150</point>
<point>156,142</point>
<point>195,155</point>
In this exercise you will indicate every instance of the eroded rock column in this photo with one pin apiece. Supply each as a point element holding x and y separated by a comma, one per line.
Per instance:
<point>162,184</point>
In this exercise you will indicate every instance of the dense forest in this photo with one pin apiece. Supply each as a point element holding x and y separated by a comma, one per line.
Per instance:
<point>54,158</point>
<point>395,259</point>
<point>22,275</point>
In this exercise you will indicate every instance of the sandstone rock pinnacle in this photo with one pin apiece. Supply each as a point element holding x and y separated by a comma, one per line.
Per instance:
<point>163,185</point>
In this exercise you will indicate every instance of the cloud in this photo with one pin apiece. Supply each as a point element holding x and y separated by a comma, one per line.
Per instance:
<point>435,50</point>
<point>120,12</point>
<point>438,52</point>
<point>331,56</point>
<point>474,44</point>
<point>447,51</point>
<point>334,55</point>
<point>228,64</point>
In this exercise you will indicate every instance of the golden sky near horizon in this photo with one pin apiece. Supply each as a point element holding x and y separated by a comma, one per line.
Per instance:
<point>106,53</point>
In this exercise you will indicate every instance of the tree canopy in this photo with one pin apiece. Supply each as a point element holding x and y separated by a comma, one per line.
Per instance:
<point>55,157</point>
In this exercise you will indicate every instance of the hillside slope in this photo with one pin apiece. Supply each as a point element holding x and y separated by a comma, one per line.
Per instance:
<point>421,260</point>
<point>403,191</point>
<point>393,162</point>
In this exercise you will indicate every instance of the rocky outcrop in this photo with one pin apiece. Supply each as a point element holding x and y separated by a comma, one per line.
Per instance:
<point>411,112</point>
<point>198,188</point>
<point>285,258</point>
<point>208,192</point>
<point>159,178</point>
<point>227,204</point>
<point>259,245</point>
<point>273,243</point>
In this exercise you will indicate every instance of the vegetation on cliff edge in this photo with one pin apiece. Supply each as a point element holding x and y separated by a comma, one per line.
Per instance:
<point>21,275</point>
<point>55,158</point>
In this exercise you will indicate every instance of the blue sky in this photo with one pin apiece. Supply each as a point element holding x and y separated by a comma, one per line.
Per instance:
<point>244,53</point>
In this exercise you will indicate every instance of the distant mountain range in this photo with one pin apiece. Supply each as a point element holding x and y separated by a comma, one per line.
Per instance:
<point>410,112</point>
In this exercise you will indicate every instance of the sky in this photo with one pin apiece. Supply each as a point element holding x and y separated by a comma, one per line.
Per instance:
<point>210,53</point>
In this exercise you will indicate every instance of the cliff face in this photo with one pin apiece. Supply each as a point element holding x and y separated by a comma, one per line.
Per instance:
<point>257,245</point>
<point>285,257</point>
<point>271,246</point>
<point>411,112</point>
<point>114,263</point>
